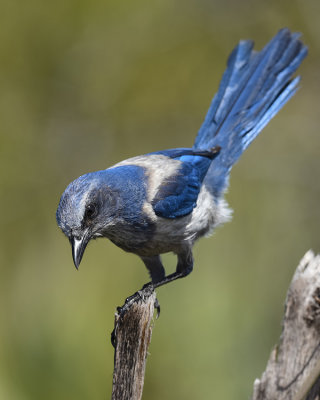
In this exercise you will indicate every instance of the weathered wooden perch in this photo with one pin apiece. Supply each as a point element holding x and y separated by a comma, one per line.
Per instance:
<point>293,370</point>
<point>132,336</point>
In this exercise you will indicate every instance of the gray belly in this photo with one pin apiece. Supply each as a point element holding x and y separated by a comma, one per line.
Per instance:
<point>162,235</point>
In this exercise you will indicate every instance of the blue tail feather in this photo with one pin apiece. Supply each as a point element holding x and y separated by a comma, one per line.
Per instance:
<point>254,87</point>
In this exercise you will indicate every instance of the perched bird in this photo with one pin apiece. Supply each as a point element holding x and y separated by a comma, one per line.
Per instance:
<point>166,200</point>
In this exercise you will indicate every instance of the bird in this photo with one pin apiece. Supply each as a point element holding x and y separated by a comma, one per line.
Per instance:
<point>165,201</point>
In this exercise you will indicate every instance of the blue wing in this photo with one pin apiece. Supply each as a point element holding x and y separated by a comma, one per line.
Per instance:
<point>178,194</point>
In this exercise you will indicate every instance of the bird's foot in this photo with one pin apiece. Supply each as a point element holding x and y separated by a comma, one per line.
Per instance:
<point>142,294</point>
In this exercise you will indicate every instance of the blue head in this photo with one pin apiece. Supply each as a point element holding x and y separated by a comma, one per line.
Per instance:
<point>95,204</point>
<point>86,210</point>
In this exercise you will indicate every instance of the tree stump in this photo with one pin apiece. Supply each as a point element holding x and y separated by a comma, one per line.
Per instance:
<point>293,369</point>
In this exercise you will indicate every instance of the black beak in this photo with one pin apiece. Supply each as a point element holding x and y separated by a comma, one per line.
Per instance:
<point>78,247</point>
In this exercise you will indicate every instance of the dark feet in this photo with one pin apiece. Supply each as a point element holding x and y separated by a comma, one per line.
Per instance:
<point>141,295</point>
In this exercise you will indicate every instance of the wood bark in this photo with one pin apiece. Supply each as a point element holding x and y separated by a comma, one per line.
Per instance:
<point>293,370</point>
<point>131,337</point>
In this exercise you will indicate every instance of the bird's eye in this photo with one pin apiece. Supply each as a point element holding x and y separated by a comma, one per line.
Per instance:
<point>91,211</point>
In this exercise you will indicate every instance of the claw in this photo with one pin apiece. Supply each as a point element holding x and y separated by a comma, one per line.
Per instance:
<point>157,307</point>
<point>114,338</point>
<point>129,301</point>
<point>142,294</point>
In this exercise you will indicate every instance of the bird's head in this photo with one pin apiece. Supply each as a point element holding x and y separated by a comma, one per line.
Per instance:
<point>86,210</point>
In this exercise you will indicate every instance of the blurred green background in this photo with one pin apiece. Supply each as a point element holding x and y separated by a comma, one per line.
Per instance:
<point>85,84</point>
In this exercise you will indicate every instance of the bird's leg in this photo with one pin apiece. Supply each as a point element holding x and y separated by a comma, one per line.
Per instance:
<point>184,267</point>
<point>155,267</point>
<point>157,274</point>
